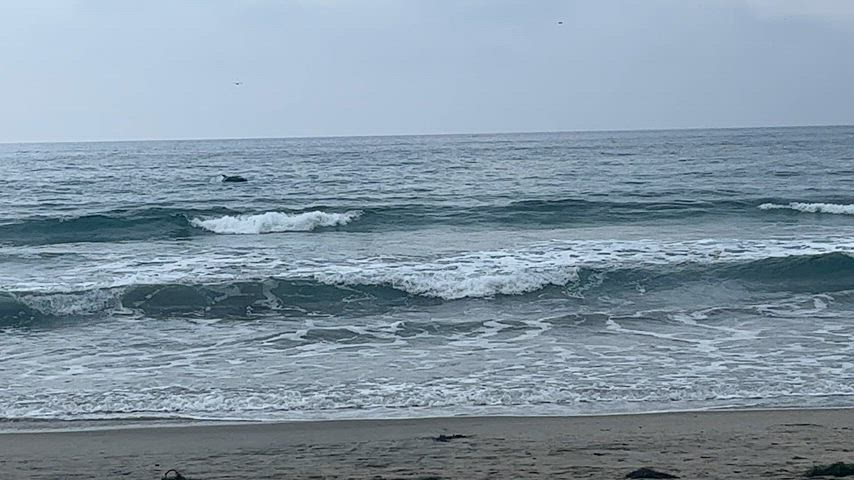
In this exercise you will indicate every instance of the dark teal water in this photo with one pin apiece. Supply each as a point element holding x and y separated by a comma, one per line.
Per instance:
<point>398,276</point>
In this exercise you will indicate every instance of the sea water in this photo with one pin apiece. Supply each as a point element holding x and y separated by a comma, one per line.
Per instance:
<point>375,277</point>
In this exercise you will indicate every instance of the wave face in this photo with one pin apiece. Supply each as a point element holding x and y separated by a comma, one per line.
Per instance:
<point>273,222</point>
<point>833,208</point>
<point>348,290</point>
<point>122,225</point>
<point>174,224</point>
<point>164,224</point>
<point>554,274</point>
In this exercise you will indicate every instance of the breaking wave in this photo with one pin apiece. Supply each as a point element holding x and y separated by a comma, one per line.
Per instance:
<point>161,223</point>
<point>475,275</point>
<point>834,208</point>
<point>272,222</point>
<point>357,290</point>
<point>132,224</point>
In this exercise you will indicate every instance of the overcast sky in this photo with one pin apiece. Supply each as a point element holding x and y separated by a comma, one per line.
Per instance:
<point>157,69</point>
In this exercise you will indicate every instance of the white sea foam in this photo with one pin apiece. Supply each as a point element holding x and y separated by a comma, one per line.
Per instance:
<point>76,303</point>
<point>482,274</point>
<point>373,399</point>
<point>517,270</point>
<point>271,222</point>
<point>528,269</point>
<point>834,208</point>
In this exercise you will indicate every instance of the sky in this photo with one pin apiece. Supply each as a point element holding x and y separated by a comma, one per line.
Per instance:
<point>166,69</point>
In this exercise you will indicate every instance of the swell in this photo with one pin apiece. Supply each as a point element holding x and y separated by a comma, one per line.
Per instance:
<point>353,292</point>
<point>160,223</point>
<point>117,225</point>
<point>175,223</point>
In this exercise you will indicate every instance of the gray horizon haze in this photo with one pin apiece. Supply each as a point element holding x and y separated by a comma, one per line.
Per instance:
<point>100,70</point>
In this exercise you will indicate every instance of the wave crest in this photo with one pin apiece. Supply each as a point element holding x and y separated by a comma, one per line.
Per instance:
<point>362,288</point>
<point>273,222</point>
<point>834,208</point>
<point>476,275</point>
<point>455,285</point>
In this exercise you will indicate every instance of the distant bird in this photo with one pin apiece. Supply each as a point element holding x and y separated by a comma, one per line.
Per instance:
<point>238,83</point>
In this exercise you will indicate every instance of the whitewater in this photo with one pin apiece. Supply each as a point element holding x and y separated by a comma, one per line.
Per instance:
<point>271,222</point>
<point>564,273</point>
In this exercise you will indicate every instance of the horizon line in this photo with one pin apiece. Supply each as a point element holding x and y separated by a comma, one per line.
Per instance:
<point>445,134</point>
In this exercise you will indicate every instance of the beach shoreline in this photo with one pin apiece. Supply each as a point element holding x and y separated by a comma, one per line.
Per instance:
<point>750,443</point>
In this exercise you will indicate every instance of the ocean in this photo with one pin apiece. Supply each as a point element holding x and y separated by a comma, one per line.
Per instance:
<point>382,277</point>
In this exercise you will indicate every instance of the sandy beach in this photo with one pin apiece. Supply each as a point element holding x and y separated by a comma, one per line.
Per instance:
<point>722,444</point>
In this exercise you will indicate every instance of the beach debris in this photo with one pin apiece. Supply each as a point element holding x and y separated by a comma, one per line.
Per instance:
<point>838,469</point>
<point>448,438</point>
<point>175,475</point>
<point>649,473</point>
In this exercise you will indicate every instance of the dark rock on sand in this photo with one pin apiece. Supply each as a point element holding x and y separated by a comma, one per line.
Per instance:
<point>838,469</point>
<point>649,473</point>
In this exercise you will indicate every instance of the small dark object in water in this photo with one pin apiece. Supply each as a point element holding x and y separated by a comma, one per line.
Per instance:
<point>838,469</point>
<point>649,473</point>
<point>448,438</point>
<point>233,179</point>
<point>177,475</point>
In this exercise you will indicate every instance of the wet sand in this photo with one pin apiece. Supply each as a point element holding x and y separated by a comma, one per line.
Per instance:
<point>722,444</point>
